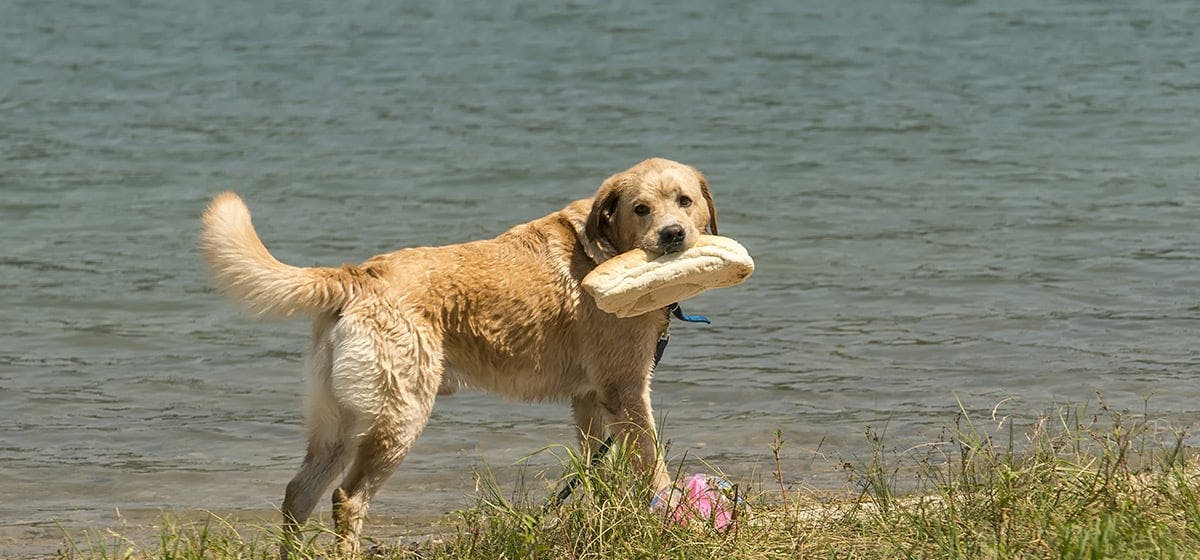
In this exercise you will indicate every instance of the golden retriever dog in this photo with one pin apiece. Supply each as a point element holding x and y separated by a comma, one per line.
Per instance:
<point>505,315</point>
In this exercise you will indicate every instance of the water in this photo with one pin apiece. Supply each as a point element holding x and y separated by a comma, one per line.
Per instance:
<point>946,200</point>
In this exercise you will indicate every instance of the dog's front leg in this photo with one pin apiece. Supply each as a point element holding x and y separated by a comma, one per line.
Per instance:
<point>591,420</point>
<point>633,425</point>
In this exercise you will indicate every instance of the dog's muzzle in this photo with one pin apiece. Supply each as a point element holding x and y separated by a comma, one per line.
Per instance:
<point>670,238</point>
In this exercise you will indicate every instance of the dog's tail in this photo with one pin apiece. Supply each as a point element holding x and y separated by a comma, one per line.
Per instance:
<point>246,272</point>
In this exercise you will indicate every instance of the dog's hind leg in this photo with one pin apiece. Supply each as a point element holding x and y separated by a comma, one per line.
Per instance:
<point>323,462</point>
<point>390,368</point>
<point>329,441</point>
<point>380,451</point>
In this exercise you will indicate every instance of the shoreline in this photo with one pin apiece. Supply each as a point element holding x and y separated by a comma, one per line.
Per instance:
<point>1072,484</point>
<point>45,539</point>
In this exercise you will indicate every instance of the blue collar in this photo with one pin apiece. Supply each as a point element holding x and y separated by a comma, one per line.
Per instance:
<point>679,314</point>
<point>666,335</point>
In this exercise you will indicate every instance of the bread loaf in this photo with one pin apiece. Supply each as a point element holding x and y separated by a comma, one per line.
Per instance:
<point>638,281</point>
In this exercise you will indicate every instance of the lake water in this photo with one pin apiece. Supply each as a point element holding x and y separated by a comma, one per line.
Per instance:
<point>972,201</point>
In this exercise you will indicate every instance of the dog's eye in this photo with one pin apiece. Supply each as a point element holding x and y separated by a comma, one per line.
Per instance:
<point>641,209</point>
<point>685,201</point>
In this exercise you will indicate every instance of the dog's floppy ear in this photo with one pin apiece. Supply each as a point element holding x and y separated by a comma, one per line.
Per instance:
<point>712,209</point>
<point>599,228</point>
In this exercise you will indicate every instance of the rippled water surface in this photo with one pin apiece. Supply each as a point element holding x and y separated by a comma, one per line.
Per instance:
<point>946,200</point>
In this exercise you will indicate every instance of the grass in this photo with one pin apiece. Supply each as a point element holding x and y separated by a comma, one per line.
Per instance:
<point>1069,484</point>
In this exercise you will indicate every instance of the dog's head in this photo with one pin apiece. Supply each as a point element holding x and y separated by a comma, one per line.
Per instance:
<point>657,205</point>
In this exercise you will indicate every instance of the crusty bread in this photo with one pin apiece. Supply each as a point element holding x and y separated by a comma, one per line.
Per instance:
<point>638,282</point>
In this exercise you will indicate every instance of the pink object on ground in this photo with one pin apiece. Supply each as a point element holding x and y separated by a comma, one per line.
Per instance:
<point>697,497</point>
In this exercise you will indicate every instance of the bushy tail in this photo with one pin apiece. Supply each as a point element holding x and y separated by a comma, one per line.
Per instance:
<point>246,272</point>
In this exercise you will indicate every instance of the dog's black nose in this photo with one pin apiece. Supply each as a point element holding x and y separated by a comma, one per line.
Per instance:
<point>670,238</point>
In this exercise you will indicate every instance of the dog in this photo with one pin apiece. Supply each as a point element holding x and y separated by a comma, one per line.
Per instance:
<point>505,315</point>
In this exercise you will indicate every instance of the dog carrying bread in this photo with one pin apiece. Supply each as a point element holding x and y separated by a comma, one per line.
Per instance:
<point>508,315</point>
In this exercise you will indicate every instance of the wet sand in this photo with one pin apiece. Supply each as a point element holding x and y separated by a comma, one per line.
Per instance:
<point>46,539</point>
